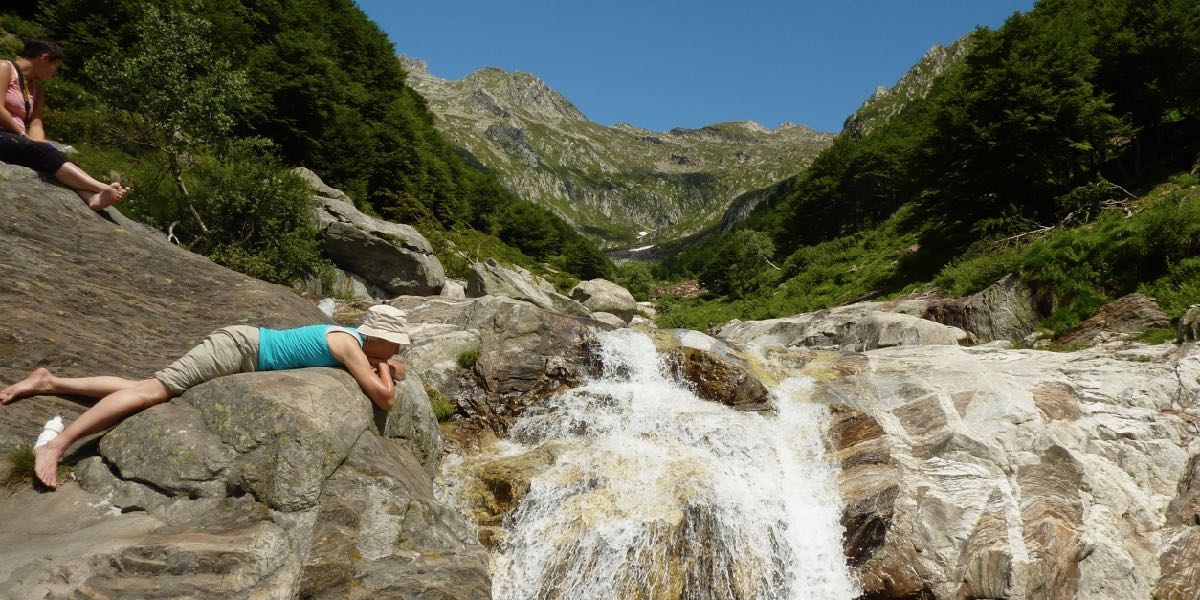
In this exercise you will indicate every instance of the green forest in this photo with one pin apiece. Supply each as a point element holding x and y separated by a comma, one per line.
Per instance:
<point>1063,148</point>
<point>204,106</point>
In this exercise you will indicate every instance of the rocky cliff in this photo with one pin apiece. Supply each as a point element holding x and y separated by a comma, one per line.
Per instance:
<point>614,181</point>
<point>261,485</point>
<point>913,85</point>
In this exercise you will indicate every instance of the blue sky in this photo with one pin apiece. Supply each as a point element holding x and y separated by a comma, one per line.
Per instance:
<point>660,64</point>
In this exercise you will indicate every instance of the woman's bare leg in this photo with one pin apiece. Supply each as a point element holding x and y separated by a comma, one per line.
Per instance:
<point>108,412</point>
<point>42,381</point>
<point>97,195</point>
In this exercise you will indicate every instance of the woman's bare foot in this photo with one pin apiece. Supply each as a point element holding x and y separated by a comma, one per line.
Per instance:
<point>38,382</point>
<point>45,463</point>
<point>111,195</point>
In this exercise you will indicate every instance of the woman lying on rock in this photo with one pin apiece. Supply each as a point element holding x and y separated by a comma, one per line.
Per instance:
<point>22,139</point>
<point>366,352</point>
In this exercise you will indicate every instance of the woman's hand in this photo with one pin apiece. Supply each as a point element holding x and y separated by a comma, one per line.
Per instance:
<point>397,368</point>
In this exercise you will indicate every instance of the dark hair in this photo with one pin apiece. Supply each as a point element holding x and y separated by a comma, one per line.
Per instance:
<point>39,46</point>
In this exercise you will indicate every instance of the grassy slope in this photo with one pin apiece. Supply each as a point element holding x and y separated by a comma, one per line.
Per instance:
<point>1075,270</point>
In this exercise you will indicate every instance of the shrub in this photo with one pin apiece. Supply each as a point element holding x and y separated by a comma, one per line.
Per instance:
<point>468,358</point>
<point>259,217</point>
<point>636,277</point>
<point>20,471</point>
<point>443,409</point>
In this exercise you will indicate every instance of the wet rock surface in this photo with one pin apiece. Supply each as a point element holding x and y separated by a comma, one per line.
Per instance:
<point>713,369</point>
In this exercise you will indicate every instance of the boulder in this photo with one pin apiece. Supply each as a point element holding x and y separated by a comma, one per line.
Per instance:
<point>390,256</point>
<point>271,482</point>
<point>601,295</point>
<point>454,289</point>
<point>854,327</point>
<point>609,319</point>
<point>1189,325</point>
<point>1006,310</point>
<point>1124,317</point>
<point>521,352</point>
<point>319,187</point>
<point>490,279</point>
<point>711,368</point>
<point>114,297</point>
<point>647,310</point>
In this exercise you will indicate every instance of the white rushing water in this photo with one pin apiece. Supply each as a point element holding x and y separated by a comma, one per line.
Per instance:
<point>657,494</point>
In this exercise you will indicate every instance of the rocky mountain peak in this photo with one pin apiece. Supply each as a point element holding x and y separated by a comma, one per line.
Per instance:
<point>617,181</point>
<point>496,92</point>
<point>884,103</point>
<point>414,66</point>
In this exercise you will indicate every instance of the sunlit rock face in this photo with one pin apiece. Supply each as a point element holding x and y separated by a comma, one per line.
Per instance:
<point>991,473</point>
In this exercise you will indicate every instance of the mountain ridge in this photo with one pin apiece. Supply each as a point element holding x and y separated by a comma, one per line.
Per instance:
<point>610,181</point>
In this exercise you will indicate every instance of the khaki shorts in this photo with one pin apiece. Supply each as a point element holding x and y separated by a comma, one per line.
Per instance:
<point>226,351</point>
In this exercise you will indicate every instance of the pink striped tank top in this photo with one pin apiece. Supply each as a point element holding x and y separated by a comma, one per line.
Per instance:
<point>14,102</point>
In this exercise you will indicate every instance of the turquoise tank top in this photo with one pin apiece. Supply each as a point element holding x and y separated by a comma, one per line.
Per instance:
<point>299,347</point>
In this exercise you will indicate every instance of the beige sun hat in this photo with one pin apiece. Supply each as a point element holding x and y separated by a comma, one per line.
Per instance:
<point>386,322</point>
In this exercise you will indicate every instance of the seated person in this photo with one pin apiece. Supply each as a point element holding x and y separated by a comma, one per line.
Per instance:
<point>366,352</point>
<point>22,139</point>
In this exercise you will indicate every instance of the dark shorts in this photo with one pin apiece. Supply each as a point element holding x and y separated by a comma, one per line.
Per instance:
<point>39,156</point>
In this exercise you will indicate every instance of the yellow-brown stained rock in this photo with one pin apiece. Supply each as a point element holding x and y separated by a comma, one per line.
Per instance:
<point>1052,517</point>
<point>1058,401</point>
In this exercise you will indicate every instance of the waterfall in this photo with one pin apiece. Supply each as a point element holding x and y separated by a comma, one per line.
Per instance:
<point>656,494</point>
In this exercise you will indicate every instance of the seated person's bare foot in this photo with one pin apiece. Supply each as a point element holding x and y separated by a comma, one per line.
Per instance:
<point>111,195</point>
<point>45,464</point>
<point>38,382</point>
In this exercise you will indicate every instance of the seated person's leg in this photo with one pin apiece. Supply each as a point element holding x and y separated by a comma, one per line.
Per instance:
<point>45,158</point>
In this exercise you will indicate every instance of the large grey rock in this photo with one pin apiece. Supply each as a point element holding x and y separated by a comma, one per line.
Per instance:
<point>391,256</point>
<point>601,295</point>
<point>490,279</point>
<point>855,327</point>
<point>1006,310</point>
<point>412,422</point>
<point>138,302</point>
<point>1188,329</point>
<point>260,485</point>
<point>609,319</point>
<point>277,435</point>
<point>1122,318</point>
<point>993,473</point>
<point>521,352</point>
<point>380,533</point>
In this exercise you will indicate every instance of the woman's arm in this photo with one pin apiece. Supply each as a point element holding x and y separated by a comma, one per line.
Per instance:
<point>35,131</point>
<point>8,122</point>
<point>375,381</point>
